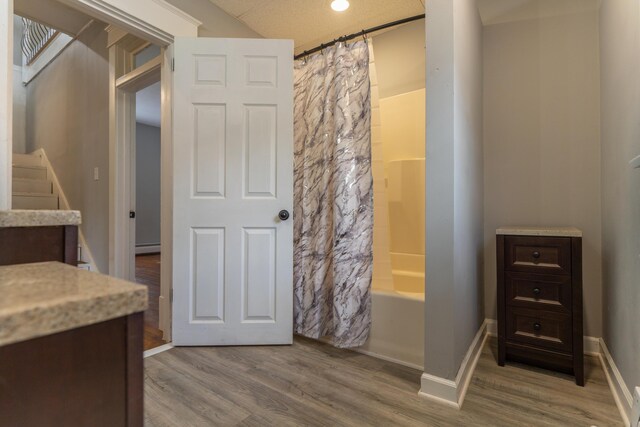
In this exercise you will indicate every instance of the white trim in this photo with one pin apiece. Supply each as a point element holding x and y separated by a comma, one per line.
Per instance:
<point>451,392</point>
<point>64,205</point>
<point>635,163</point>
<point>591,346</point>
<point>148,249</point>
<point>152,19</point>
<point>156,350</point>
<point>619,389</point>
<point>166,194</point>
<point>49,54</point>
<point>6,101</point>
<point>389,359</point>
<point>492,327</point>
<point>141,77</point>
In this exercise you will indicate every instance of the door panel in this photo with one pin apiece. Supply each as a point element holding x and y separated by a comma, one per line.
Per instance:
<point>233,173</point>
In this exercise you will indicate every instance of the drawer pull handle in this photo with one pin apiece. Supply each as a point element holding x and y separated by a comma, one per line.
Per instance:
<point>536,254</point>
<point>536,291</point>
<point>537,326</point>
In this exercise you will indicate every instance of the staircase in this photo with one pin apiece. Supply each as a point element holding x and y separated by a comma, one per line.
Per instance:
<point>32,188</point>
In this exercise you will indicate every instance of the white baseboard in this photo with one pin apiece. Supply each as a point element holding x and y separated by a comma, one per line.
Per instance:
<point>160,349</point>
<point>389,359</point>
<point>591,346</point>
<point>619,389</point>
<point>492,327</point>
<point>64,204</point>
<point>449,392</point>
<point>147,249</point>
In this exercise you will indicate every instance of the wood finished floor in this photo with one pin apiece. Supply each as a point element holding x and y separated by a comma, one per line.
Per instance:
<point>310,383</point>
<point>148,273</point>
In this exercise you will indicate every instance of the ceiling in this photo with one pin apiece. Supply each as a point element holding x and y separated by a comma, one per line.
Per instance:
<point>501,11</point>
<point>148,105</point>
<point>311,22</point>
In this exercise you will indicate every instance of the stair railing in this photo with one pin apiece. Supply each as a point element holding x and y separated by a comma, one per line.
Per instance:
<point>35,38</point>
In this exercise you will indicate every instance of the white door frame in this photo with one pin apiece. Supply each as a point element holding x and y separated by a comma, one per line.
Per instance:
<point>153,20</point>
<point>6,101</point>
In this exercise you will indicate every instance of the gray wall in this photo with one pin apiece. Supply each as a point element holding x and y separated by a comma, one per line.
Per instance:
<point>18,28</point>
<point>68,116</point>
<point>542,138</point>
<point>147,185</point>
<point>454,181</point>
<point>19,91</point>
<point>400,59</point>
<point>620,136</point>
<point>215,21</point>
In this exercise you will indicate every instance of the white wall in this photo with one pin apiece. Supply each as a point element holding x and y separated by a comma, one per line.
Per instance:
<point>147,185</point>
<point>453,303</point>
<point>542,140</point>
<point>620,135</point>
<point>68,116</point>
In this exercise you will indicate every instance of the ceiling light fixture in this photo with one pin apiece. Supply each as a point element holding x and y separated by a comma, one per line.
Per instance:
<point>340,5</point>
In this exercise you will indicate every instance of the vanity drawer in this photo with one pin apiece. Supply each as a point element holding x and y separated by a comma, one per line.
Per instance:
<point>540,328</point>
<point>538,291</point>
<point>545,255</point>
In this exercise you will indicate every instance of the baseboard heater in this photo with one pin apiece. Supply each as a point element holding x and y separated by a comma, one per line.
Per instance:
<point>148,249</point>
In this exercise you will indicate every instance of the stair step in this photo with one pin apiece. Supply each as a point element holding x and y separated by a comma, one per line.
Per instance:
<point>29,172</point>
<point>34,201</point>
<point>26,160</point>
<point>23,185</point>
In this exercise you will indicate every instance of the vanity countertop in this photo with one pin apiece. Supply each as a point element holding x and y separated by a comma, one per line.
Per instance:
<point>38,218</point>
<point>46,298</point>
<point>540,231</point>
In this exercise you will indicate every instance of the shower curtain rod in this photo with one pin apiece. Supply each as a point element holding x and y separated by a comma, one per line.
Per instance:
<point>358,34</point>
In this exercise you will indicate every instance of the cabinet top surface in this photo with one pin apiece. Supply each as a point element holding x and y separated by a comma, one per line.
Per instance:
<point>46,298</point>
<point>38,218</point>
<point>540,231</point>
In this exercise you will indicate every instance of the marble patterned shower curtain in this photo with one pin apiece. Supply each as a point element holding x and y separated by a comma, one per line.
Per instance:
<point>333,195</point>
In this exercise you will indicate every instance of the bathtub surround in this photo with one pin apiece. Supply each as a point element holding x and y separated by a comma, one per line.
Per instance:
<point>333,194</point>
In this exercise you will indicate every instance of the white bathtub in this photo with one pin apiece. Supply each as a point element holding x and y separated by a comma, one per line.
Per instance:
<point>397,327</point>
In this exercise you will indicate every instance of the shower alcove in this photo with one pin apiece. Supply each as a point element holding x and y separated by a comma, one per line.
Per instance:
<point>398,166</point>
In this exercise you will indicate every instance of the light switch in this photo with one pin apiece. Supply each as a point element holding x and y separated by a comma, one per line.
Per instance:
<point>96,174</point>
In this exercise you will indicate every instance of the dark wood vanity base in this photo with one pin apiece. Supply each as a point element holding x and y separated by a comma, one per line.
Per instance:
<point>539,279</point>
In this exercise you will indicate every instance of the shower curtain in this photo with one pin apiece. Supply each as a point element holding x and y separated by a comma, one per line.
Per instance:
<point>333,195</point>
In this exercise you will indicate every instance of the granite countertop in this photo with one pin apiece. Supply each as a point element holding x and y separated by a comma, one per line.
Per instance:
<point>540,231</point>
<point>46,298</point>
<point>38,218</point>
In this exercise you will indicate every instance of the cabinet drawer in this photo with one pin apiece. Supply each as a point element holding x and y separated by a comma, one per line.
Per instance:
<point>538,291</point>
<point>540,328</point>
<point>546,255</point>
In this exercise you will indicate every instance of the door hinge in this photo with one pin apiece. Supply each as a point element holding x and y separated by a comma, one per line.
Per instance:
<point>173,64</point>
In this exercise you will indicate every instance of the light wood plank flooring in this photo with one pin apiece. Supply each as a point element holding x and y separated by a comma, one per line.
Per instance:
<point>310,383</point>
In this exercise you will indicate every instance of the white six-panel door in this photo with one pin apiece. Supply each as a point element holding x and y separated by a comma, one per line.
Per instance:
<point>233,174</point>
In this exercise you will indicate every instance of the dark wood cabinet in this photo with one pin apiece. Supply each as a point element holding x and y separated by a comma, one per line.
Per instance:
<point>539,279</point>
<point>89,376</point>
<point>23,245</point>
